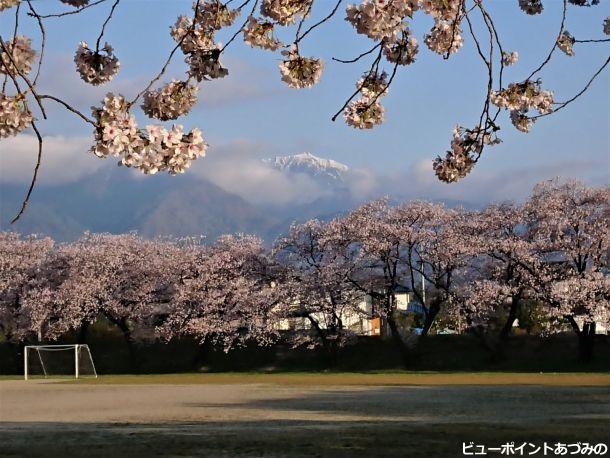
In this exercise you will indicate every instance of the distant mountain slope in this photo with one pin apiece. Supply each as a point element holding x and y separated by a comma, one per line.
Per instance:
<point>113,201</point>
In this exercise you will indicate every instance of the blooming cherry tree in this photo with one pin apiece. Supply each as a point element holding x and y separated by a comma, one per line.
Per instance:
<point>568,229</point>
<point>226,293</point>
<point>317,286</point>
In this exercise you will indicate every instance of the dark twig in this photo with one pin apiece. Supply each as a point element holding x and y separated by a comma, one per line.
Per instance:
<point>23,77</point>
<point>593,41</point>
<point>14,38</point>
<point>169,59</point>
<point>319,23</point>
<point>455,26</point>
<point>242,27</point>
<point>356,59</point>
<point>548,58</point>
<point>374,68</point>
<point>34,176</point>
<point>70,108</point>
<point>43,39</point>
<point>67,13</point>
<point>99,38</point>
<point>578,94</point>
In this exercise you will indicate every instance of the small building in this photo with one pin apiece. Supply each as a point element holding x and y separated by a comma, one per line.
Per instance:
<point>363,319</point>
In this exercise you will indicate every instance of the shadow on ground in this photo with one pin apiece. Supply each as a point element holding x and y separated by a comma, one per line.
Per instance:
<point>279,421</point>
<point>281,438</point>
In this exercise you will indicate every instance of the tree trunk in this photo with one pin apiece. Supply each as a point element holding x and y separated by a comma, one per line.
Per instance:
<point>82,332</point>
<point>201,355</point>
<point>129,340</point>
<point>327,345</point>
<point>586,339</point>
<point>512,316</point>
<point>586,342</point>
<point>435,307</point>
<point>400,344</point>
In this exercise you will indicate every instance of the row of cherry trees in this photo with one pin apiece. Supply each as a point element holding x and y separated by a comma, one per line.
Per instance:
<point>477,265</point>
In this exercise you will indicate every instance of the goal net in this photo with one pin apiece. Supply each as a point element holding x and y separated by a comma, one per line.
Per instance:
<point>58,360</point>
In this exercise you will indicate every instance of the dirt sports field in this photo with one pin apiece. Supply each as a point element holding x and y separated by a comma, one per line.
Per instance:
<point>292,415</point>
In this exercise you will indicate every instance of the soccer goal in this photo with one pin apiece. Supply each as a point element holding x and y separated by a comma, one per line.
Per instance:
<point>58,360</point>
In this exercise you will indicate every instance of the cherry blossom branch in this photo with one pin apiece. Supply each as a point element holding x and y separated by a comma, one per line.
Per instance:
<point>356,59</point>
<point>455,25</point>
<point>99,38</point>
<point>319,23</point>
<point>21,74</point>
<point>70,108</point>
<point>373,69</point>
<point>385,89</point>
<point>169,58</point>
<point>43,39</point>
<point>578,94</point>
<point>14,36</point>
<point>603,40</point>
<point>242,26</point>
<point>67,13</point>
<point>548,58</point>
<point>34,176</point>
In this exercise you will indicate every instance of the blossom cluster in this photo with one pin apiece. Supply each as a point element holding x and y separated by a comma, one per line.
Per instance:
<point>531,6</point>
<point>380,19</point>
<point>285,12</point>
<point>259,34</point>
<point>523,96</point>
<point>521,121</point>
<point>565,42</point>
<point>519,98</point>
<point>402,50</point>
<point>196,38</point>
<point>575,294</point>
<point>205,64</point>
<point>214,15</point>
<point>171,101</point>
<point>446,10</point>
<point>4,4</point>
<point>364,113</point>
<point>367,112</point>
<point>19,57</point>
<point>14,115</point>
<point>298,71</point>
<point>75,3</point>
<point>509,58</point>
<point>373,84</point>
<point>190,37</point>
<point>459,161</point>
<point>96,67</point>
<point>156,150</point>
<point>445,37</point>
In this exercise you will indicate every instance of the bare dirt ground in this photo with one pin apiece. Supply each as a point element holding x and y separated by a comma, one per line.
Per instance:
<point>51,418</point>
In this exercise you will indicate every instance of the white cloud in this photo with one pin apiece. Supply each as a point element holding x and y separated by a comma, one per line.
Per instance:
<point>484,185</point>
<point>64,159</point>
<point>237,167</point>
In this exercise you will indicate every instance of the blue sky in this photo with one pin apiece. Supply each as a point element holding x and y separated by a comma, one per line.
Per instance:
<point>251,114</point>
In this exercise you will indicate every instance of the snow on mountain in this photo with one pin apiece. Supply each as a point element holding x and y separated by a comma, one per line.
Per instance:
<point>319,168</point>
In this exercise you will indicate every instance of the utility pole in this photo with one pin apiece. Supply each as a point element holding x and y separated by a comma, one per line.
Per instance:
<point>423,284</point>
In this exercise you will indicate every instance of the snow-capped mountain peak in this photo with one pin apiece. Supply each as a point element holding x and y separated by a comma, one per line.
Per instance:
<point>309,164</point>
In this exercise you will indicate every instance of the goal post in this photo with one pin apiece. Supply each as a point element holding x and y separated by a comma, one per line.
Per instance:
<point>58,360</point>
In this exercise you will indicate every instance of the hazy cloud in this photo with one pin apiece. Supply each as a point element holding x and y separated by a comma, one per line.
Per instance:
<point>64,159</point>
<point>237,167</point>
<point>482,186</point>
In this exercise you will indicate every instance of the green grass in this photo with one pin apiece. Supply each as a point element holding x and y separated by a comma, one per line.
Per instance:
<point>394,378</point>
